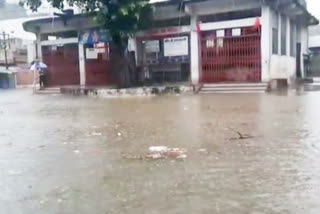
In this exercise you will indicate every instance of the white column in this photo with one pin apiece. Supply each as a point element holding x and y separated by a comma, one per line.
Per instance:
<point>279,33</point>
<point>39,48</point>
<point>288,37</point>
<point>82,67</point>
<point>266,35</point>
<point>194,52</point>
<point>31,51</point>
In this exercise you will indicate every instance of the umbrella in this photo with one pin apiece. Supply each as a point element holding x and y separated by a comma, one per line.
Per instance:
<point>38,66</point>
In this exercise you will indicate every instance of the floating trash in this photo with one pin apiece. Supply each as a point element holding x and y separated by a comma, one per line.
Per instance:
<point>96,134</point>
<point>158,149</point>
<point>155,156</point>
<point>202,150</point>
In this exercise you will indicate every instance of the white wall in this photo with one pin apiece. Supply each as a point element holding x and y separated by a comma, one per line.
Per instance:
<point>221,6</point>
<point>284,66</point>
<point>10,56</point>
<point>247,22</point>
<point>314,41</point>
<point>74,24</point>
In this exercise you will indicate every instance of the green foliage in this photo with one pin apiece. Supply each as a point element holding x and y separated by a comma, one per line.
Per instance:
<point>121,17</point>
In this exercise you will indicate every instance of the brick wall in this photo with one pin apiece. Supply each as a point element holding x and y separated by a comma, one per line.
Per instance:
<point>24,78</point>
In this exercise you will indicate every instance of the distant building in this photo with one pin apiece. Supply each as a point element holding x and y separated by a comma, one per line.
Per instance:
<point>11,11</point>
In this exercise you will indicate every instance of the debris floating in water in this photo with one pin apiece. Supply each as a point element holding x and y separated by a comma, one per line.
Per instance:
<point>205,151</point>
<point>160,152</point>
<point>155,156</point>
<point>132,157</point>
<point>96,134</point>
<point>182,156</point>
<point>158,149</point>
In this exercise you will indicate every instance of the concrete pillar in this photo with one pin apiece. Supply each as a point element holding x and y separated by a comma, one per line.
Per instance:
<point>82,67</point>
<point>31,52</point>
<point>279,34</point>
<point>194,52</point>
<point>288,37</point>
<point>266,45</point>
<point>304,47</point>
<point>39,48</point>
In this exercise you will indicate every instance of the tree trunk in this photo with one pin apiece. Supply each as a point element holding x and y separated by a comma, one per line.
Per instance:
<point>122,63</point>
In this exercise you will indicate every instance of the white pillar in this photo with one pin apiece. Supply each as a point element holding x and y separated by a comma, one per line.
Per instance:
<point>39,48</point>
<point>266,35</point>
<point>288,37</point>
<point>194,52</point>
<point>279,33</point>
<point>31,51</point>
<point>82,68</point>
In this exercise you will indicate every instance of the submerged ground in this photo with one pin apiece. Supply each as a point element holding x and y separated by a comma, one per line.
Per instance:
<point>63,154</point>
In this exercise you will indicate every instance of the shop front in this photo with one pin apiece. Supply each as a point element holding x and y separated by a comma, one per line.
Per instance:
<point>96,53</point>
<point>163,55</point>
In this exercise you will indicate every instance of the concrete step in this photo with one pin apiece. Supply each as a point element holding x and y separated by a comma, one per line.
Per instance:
<point>231,92</point>
<point>228,85</point>
<point>234,88</point>
<point>49,91</point>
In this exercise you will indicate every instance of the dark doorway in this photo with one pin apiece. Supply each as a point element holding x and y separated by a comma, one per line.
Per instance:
<point>298,58</point>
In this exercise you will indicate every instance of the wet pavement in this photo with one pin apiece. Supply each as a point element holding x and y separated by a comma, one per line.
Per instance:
<point>64,155</point>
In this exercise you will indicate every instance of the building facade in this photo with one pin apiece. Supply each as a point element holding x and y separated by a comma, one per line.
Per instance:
<point>235,41</point>
<point>75,50</point>
<point>198,41</point>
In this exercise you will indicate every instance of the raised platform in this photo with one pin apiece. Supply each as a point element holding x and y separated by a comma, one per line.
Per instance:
<point>49,90</point>
<point>105,92</point>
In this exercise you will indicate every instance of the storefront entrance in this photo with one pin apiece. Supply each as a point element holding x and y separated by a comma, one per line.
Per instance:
<point>231,55</point>
<point>63,64</point>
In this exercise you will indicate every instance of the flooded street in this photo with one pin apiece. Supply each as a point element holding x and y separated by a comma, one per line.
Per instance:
<point>62,154</point>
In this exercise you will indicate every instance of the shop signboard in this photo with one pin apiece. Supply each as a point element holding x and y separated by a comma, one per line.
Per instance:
<point>176,46</point>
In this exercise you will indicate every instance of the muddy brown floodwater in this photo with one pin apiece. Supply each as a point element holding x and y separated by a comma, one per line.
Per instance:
<point>64,155</point>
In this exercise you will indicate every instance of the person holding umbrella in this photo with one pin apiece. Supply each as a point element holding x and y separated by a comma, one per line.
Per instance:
<point>39,68</point>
